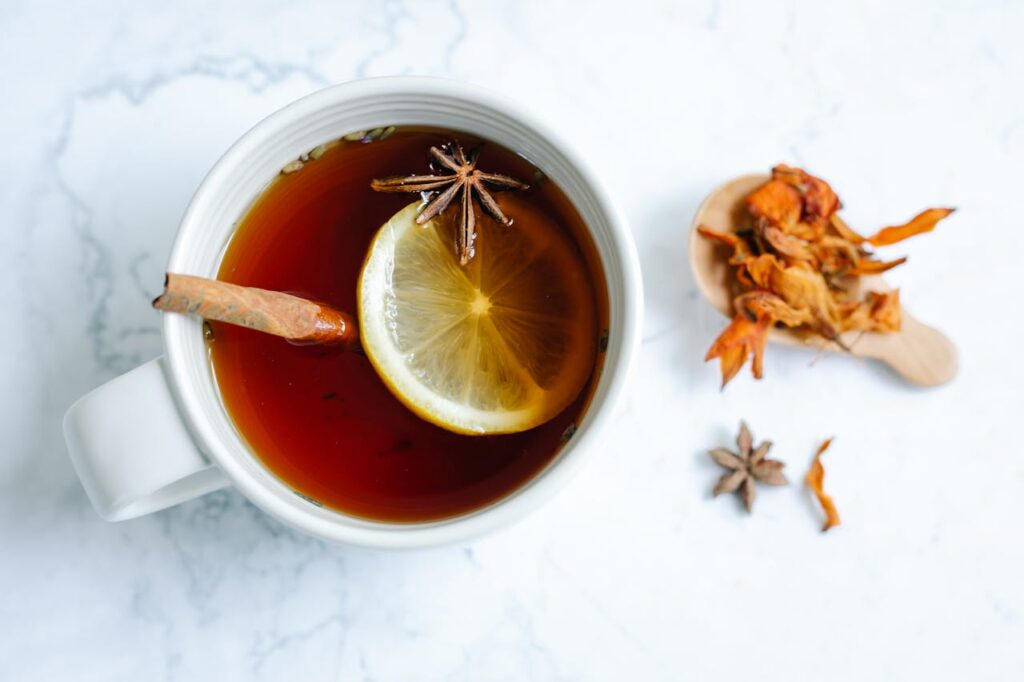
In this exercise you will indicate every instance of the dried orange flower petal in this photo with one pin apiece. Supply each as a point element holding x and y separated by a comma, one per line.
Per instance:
<point>925,221</point>
<point>819,201</point>
<point>776,202</point>
<point>786,244</point>
<point>735,344</point>
<point>815,479</point>
<point>875,267</point>
<point>804,288</point>
<point>761,304</point>
<point>845,231</point>
<point>879,312</point>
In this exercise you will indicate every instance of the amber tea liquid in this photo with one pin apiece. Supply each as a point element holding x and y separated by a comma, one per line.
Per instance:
<point>320,418</point>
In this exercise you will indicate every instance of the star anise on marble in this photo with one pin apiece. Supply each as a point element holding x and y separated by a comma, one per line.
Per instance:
<point>459,175</point>
<point>748,466</point>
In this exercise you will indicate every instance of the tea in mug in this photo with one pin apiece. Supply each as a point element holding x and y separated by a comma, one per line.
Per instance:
<point>321,418</point>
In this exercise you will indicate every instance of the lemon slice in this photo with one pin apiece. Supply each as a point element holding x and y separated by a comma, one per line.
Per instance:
<point>500,345</point>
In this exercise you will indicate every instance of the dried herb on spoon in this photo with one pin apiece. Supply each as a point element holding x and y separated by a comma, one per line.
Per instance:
<point>796,264</point>
<point>457,175</point>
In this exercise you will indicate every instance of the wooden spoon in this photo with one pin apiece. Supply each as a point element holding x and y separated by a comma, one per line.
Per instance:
<point>920,354</point>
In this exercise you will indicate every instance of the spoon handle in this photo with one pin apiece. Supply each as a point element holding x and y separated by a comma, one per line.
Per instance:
<point>920,354</point>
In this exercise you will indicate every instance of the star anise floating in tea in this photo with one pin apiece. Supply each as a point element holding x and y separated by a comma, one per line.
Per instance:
<point>458,175</point>
<point>797,263</point>
<point>747,467</point>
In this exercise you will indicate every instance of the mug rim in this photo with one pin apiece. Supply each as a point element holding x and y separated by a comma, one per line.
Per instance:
<point>337,525</point>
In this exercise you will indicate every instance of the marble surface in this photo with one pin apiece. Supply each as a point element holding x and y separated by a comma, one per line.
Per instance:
<point>114,111</point>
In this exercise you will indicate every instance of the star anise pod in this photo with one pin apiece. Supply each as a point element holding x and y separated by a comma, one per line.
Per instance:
<point>749,465</point>
<point>459,174</point>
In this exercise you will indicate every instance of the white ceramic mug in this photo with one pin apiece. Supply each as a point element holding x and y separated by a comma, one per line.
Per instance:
<point>160,435</point>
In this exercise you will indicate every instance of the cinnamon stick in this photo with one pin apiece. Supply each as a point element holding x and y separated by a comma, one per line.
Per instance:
<point>272,312</point>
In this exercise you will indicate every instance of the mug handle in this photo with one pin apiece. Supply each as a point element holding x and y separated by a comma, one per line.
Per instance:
<point>132,449</point>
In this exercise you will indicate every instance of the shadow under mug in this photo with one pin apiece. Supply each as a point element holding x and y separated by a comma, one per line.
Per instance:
<point>160,435</point>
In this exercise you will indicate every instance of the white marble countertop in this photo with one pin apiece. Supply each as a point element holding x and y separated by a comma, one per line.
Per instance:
<point>112,114</point>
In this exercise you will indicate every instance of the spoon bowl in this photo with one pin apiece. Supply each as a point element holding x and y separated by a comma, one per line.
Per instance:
<point>920,354</point>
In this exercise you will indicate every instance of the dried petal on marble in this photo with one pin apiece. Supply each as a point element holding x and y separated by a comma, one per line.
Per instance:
<point>815,480</point>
